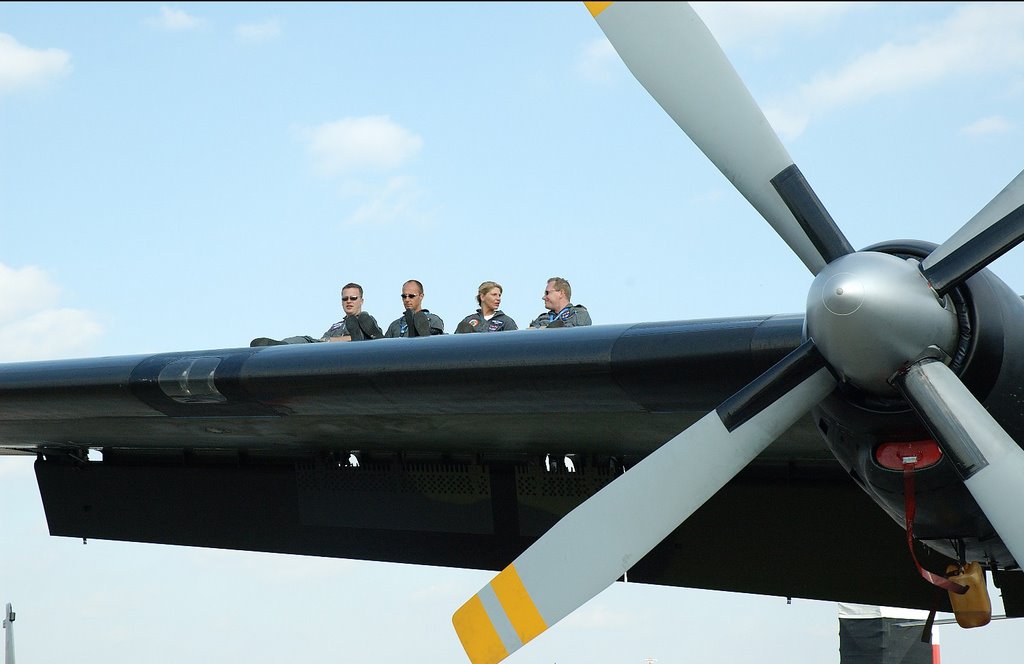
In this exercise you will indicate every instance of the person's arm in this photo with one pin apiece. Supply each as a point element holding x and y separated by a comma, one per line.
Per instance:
<point>336,332</point>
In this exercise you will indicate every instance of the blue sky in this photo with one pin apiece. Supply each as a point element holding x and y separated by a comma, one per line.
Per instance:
<point>190,176</point>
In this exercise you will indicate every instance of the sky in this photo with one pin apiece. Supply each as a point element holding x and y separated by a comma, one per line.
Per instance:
<point>191,176</point>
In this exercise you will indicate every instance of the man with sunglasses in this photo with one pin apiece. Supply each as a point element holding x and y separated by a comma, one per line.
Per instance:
<point>357,324</point>
<point>415,321</point>
<point>561,312</point>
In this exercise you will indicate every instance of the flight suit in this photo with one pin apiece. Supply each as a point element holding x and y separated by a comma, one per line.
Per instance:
<point>499,322</point>
<point>360,327</point>
<point>573,315</point>
<point>426,320</point>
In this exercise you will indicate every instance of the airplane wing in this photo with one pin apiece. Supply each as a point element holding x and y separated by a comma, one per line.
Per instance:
<point>447,451</point>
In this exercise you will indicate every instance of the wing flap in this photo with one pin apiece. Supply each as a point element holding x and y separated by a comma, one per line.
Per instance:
<point>785,529</point>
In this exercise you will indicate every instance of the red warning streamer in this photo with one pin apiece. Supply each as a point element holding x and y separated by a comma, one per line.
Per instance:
<point>909,465</point>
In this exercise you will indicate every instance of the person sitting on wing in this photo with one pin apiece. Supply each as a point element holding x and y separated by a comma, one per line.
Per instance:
<point>488,318</point>
<point>561,312</point>
<point>357,324</point>
<point>415,321</point>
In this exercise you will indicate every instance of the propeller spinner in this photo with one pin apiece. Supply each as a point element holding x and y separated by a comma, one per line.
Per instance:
<point>870,312</point>
<point>879,323</point>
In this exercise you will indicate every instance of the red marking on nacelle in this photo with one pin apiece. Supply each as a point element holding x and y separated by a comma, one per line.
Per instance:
<point>917,454</point>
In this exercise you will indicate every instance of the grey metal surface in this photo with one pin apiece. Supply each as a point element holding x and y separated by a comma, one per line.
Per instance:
<point>672,53</point>
<point>622,390</point>
<point>991,463</point>
<point>869,313</point>
<point>1010,198</point>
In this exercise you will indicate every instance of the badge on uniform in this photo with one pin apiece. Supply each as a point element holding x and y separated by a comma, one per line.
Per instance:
<point>495,325</point>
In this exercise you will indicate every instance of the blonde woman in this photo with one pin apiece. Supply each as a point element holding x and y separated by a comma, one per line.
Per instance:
<point>489,317</point>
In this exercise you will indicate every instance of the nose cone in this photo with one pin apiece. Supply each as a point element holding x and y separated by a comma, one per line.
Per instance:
<point>843,294</point>
<point>870,313</point>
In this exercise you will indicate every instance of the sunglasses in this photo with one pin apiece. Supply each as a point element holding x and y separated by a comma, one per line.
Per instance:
<point>351,298</point>
<point>406,296</point>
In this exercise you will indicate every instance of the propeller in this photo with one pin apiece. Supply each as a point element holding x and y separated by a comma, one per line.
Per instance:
<point>674,56</point>
<point>989,461</point>
<point>996,229</point>
<point>601,539</point>
<point>881,324</point>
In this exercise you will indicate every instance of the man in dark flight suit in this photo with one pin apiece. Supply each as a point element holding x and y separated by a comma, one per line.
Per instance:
<point>415,321</point>
<point>561,312</point>
<point>357,324</point>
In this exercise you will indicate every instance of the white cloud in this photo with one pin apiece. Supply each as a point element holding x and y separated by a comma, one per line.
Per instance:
<point>47,335</point>
<point>393,202</point>
<point>174,20</point>
<point>23,291</point>
<point>974,40</point>
<point>31,326</point>
<point>740,22</point>
<point>787,121</point>
<point>995,124</point>
<point>362,151</point>
<point>258,32</point>
<point>599,61</point>
<point>21,66</point>
<point>369,143</point>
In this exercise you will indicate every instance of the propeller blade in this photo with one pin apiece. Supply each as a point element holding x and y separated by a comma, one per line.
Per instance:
<point>996,229</point>
<point>989,461</point>
<point>674,56</point>
<point>600,540</point>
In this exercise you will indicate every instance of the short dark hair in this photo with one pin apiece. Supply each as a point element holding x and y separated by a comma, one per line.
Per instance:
<point>562,285</point>
<point>418,285</point>
<point>352,285</point>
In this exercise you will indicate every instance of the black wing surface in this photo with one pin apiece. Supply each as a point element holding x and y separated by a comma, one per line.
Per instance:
<point>446,451</point>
